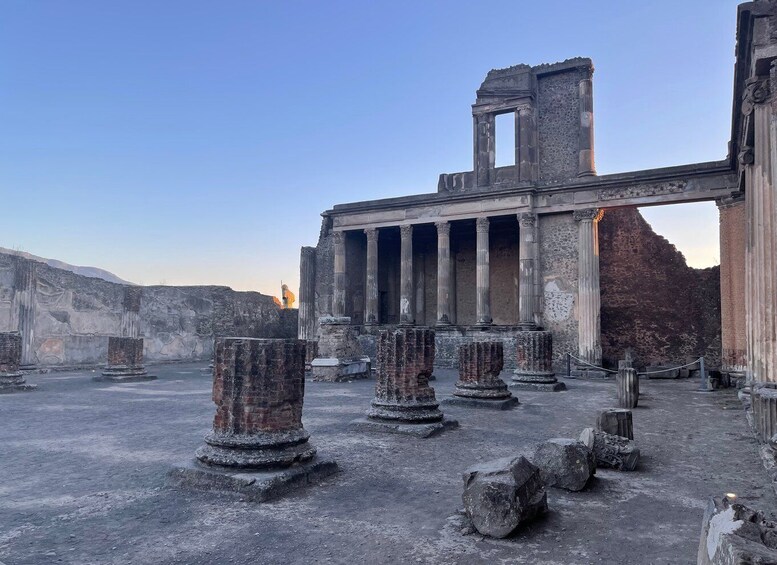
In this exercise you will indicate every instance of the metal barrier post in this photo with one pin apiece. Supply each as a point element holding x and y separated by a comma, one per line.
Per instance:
<point>704,385</point>
<point>569,365</point>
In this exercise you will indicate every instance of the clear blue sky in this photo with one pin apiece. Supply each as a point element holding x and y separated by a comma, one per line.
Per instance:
<point>197,142</point>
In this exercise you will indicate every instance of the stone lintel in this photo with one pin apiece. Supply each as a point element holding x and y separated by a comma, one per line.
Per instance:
<point>256,486</point>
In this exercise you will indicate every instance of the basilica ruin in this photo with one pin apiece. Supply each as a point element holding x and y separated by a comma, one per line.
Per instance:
<point>496,371</point>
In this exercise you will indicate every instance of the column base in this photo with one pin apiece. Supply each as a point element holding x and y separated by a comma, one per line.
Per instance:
<point>256,486</point>
<point>486,403</point>
<point>329,369</point>
<point>421,430</point>
<point>14,382</point>
<point>540,387</point>
<point>124,374</point>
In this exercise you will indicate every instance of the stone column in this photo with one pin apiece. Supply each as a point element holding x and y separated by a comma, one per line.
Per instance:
<point>534,362</point>
<point>526,147</point>
<point>483,283</point>
<point>11,378</point>
<point>25,306</point>
<point>479,385</point>
<point>404,402</point>
<point>338,290</point>
<point>588,298</point>
<point>307,294</point>
<point>585,92</point>
<point>125,361</point>
<point>130,315</point>
<point>371,314</point>
<point>419,271</point>
<point>443,273</point>
<point>527,263</point>
<point>732,285</point>
<point>485,153</point>
<point>406,308</point>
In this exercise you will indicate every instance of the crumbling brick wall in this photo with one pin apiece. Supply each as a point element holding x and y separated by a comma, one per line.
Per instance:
<point>652,301</point>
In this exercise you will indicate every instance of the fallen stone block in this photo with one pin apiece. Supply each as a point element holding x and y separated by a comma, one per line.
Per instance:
<point>564,463</point>
<point>501,495</point>
<point>616,421</point>
<point>611,451</point>
<point>732,533</point>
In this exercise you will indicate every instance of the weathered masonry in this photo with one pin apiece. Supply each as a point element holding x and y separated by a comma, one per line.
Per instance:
<point>497,250</point>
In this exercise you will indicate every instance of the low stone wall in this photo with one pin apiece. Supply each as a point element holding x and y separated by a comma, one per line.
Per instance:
<point>74,315</point>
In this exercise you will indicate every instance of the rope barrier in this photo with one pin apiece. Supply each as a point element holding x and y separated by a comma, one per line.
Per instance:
<point>645,373</point>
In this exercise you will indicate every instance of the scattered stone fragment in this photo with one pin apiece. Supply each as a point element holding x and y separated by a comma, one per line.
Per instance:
<point>611,451</point>
<point>11,379</point>
<point>732,534</point>
<point>616,421</point>
<point>627,385</point>
<point>564,463</point>
<point>502,494</point>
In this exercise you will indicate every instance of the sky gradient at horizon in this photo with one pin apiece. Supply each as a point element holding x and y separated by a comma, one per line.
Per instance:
<point>194,142</point>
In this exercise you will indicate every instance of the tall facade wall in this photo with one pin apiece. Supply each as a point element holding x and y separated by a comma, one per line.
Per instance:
<point>75,315</point>
<point>652,302</point>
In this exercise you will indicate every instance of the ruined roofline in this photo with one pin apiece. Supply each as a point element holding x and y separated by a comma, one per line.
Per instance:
<point>676,172</point>
<point>543,68</point>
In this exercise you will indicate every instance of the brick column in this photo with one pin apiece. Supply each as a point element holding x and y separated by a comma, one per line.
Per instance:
<point>258,389</point>
<point>371,300</point>
<point>125,361</point>
<point>443,273</point>
<point>338,290</point>
<point>11,378</point>
<point>483,283</point>
<point>534,362</point>
<point>406,307</point>
<point>25,306</point>
<point>732,285</point>
<point>480,363</point>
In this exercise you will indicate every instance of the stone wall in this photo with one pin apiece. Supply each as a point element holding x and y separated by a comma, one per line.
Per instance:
<point>558,125</point>
<point>75,315</point>
<point>652,302</point>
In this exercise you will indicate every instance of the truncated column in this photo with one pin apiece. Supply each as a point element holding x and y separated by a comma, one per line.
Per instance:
<point>11,378</point>
<point>130,315</point>
<point>534,362</point>
<point>585,91</point>
<point>627,384</point>
<point>25,305</point>
<point>479,384</point>
<point>125,361</point>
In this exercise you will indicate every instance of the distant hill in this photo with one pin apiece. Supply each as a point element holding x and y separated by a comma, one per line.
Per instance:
<point>93,272</point>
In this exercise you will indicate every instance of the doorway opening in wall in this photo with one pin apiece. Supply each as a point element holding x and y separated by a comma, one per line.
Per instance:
<point>660,286</point>
<point>505,139</point>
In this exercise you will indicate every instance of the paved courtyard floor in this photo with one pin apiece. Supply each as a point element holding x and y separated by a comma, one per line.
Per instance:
<point>83,465</point>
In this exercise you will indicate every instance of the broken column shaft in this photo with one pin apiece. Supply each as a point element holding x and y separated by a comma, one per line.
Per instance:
<point>534,362</point>
<point>11,379</point>
<point>627,385</point>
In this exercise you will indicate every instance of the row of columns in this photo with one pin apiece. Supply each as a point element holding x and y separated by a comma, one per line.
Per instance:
<point>528,299</point>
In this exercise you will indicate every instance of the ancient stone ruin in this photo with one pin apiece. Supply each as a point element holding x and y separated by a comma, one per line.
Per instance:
<point>479,385</point>
<point>534,362</point>
<point>564,463</point>
<point>258,446</point>
<point>404,402</point>
<point>11,378</point>
<point>613,451</point>
<point>125,361</point>
<point>616,421</point>
<point>338,355</point>
<point>734,533</point>
<point>627,386</point>
<point>501,495</point>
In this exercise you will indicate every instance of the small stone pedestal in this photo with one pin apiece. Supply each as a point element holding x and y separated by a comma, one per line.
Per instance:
<point>258,446</point>
<point>764,403</point>
<point>534,362</point>
<point>339,356</point>
<point>627,384</point>
<point>479,385</point>
<point>404,402</point>
<point>125,361</point>
<point>617,422</point>
<point>11,379</point>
